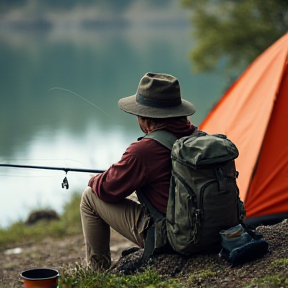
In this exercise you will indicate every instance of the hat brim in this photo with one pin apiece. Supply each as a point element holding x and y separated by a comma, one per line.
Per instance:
<point>129,105</point>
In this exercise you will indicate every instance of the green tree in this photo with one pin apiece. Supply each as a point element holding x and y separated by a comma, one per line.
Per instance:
<point>232,33</point>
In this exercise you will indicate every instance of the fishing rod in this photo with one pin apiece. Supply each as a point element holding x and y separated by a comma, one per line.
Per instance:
<point>65,183</point>
<point>66,169</point>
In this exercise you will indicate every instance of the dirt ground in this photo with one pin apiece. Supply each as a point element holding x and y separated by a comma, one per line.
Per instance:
<point>49,253</point>
<point>201,270</point>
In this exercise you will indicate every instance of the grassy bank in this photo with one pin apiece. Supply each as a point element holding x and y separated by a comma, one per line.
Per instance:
<point>75,276</point>
<point>271,271</point>
<point>82,278</point>
<point>68,224</point>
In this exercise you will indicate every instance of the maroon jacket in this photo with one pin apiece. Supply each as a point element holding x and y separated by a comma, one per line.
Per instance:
<point>146,164</point>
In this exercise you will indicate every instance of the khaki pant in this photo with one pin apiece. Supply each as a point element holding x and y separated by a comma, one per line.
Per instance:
<point>127,217</point>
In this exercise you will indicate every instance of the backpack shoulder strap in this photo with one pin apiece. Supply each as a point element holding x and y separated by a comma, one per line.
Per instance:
<point>164,137</point>
<point>150,239</point>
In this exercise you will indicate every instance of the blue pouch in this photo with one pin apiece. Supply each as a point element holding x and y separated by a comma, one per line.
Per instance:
<point>240,245</point>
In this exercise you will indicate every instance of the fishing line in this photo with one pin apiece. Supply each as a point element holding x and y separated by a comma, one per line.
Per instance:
<point>74,93</point>
<point>65,169</point>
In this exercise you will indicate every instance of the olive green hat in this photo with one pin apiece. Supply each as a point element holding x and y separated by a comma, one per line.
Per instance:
<point>158,96</point>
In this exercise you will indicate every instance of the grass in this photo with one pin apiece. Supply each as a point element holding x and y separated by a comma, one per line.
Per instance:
<point>77,276</point>
<point>274,281</point>
<point>69,224</point>
<point>279,279</point>
<point>198,278</point>
<point>80,277</point>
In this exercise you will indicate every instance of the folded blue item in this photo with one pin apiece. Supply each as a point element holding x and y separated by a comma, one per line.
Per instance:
<point>241,245</point>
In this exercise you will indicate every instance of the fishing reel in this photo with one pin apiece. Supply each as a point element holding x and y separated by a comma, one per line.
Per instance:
<point>65,183</point>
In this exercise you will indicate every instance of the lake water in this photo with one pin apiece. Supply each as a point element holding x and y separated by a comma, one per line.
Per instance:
<point>40,126</point>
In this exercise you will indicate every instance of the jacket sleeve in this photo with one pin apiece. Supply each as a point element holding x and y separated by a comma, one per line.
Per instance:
<point>121,179</point>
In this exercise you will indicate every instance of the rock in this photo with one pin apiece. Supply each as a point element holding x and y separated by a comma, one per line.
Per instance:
<point>44,214</point>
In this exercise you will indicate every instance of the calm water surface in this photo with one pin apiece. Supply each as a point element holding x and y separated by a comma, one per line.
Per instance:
<point>57,128</point>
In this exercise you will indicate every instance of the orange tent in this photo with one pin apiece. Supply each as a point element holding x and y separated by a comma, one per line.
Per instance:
<point>253,113</point>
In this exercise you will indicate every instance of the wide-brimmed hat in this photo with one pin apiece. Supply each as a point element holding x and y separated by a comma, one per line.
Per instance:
<point>158,96</point>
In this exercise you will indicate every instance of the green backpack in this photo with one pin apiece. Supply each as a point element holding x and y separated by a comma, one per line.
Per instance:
<point>203,196</point>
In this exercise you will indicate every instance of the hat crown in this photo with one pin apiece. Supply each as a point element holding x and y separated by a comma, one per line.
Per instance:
<point>158,90</point>
<point>158,96</point>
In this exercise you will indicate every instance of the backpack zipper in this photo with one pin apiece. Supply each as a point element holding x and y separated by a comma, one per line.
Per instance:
<point>202,192</point>
<point>197,212</point>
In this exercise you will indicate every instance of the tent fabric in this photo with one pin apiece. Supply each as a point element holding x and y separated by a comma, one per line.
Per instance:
<point>253,114</point>
<point>268,192</point>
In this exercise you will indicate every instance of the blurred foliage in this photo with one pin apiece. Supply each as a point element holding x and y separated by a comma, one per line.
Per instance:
<point>234,32</point>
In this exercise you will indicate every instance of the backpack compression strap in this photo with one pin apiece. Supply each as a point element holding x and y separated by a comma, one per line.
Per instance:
<point>150,240</point>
